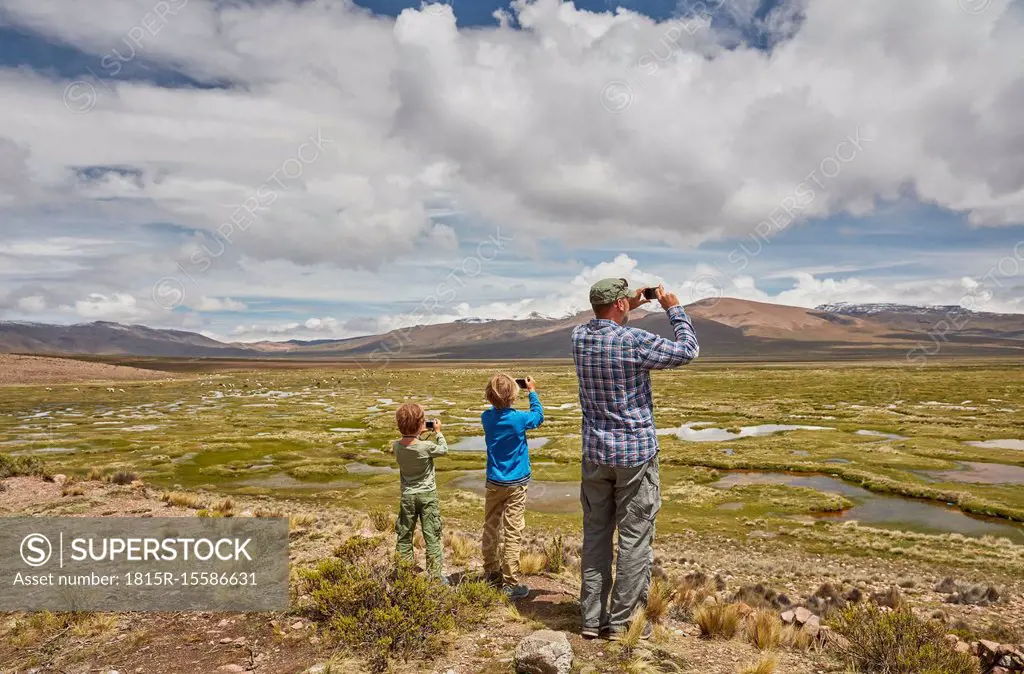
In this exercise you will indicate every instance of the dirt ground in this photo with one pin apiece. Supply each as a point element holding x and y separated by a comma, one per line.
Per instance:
<point>44,370</point>
<point>162,643</point>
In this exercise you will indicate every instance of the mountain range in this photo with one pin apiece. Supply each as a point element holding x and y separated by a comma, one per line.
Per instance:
<point>727,328</point>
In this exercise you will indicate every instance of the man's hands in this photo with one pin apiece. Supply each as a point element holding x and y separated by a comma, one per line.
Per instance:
<point>667,300</point>
<point>530,385</point>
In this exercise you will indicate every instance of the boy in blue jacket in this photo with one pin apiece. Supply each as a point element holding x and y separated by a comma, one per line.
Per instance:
<point>508,474</point>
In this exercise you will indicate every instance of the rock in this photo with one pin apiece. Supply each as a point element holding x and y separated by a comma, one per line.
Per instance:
<point>297,625</point>
<point>802,615</point>
<point>946,586</point>
<point>788,617</point>
<point>318,668</point>
<point>544,652</point>
<point>226,640</point>
<point>60,478</point>
<point>813,626</point>
<point>227,669</point>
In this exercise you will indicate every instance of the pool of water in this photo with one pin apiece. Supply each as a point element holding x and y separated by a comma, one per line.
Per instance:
<point>477,443</point>
<point>359,468</point>
<point>979,473</point>
<point>883,510</point>
<point>691,433</point>
<point>880,434</point>
<point>551,497</point>
<point>998,444</point>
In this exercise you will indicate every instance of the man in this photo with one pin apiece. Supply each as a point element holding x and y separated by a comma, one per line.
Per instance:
<point>620,485</point>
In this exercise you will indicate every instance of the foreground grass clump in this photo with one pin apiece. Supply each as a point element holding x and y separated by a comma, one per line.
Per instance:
<point>898,642</point>
<point>766,665</point>
<point>21,466</point>
<point>764,629</point>
<point>718,621</point>
<point>382,609</point>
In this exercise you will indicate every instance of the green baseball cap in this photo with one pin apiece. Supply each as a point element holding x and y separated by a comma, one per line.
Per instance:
<point>608,290</point>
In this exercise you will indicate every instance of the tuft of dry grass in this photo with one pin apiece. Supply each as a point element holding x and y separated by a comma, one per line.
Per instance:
<point>268,512</point>
<point>764,629</point>
<point>181,499</point>
<point>718,621</point>
<point>95,624</point>
<point>121,477</point>
<point>794,636</point>
<point>642,664</point>
<point>72,489</point>
<point>382,520</point>
<point>659,600</point>
<point>95,474</point>
<point>555,553</point>
<point>689,593</point>
<point>462,547</point>
<point>225,507</point>
<point>766,665</point>
<point>531,563</point>
<point>300,521</point>
<point>631,637</point>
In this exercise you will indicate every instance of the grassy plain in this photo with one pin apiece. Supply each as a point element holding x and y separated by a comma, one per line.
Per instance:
<point>323,434</point>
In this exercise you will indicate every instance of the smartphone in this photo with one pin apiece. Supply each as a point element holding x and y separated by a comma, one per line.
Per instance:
<point>650,293</point>
<point>430,425</point>
<point>522,382</point>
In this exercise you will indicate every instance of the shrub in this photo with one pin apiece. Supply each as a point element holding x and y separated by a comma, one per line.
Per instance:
<point>382,520</point>
<point>717,621</point>
<point>898,642</point>
<point>764,629</point>
<point>382,609</point>
<point>18,466</point>
<point>766,665</point>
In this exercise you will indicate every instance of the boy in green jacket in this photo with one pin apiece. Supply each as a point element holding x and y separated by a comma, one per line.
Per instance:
<point>419,491</point>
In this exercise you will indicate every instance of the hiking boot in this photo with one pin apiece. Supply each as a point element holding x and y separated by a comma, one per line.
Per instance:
<point>590,633</point>
<point>515,592</point>
<point>493,578</point>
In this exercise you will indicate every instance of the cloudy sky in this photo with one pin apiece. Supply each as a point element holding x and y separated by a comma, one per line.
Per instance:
<point>275,169</point>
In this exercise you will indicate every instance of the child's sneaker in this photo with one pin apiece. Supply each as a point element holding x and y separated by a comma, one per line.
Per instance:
<point>514,592</point>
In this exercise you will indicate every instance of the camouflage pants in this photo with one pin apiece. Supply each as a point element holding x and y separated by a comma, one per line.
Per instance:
<point>424,507</point>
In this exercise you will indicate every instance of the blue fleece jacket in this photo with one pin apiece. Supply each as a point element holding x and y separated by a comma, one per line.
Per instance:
<point>508,457</point>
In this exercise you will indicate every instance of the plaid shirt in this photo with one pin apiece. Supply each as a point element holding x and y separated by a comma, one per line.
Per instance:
<point>613,364</point>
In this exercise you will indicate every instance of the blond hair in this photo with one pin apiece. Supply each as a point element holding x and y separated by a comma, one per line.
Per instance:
<point>410,418</point>
<point>501,390</point>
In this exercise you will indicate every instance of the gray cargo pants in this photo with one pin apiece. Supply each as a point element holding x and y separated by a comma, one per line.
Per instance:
<point>627,498</point>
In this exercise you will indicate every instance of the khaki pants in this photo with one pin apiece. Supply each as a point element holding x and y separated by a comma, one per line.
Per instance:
<point>504,521</point>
